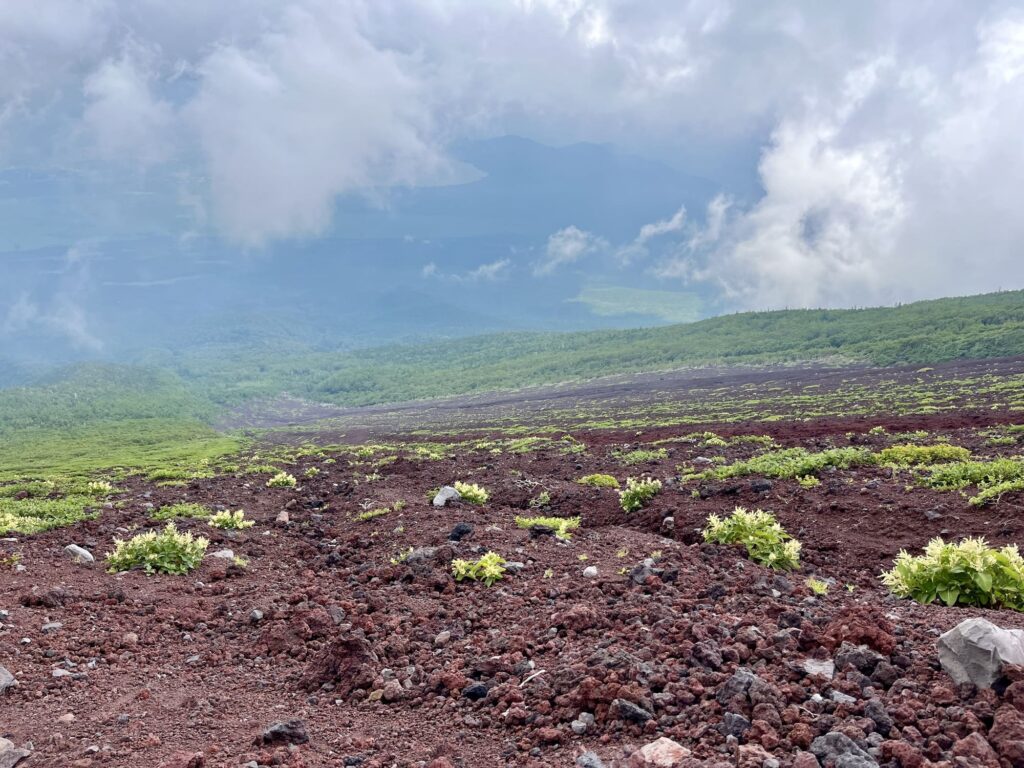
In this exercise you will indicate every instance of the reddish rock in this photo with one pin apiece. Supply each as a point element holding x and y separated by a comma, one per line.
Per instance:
<point>976,752</point>
<point>905,755</point>
<point>801,735</point>
<point>751,756</point>
<point>805,760</point>
<point>184,759</point>
<point>663,753</point>
<point>1007,735</point>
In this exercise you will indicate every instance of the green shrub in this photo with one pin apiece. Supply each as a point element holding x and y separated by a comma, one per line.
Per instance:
<point>231,521</point>
<point>472,492</point>
<point>168,551</point>
<point>37,515</point>
<point>599,481</point>
<point>488,569</point>
<point>995,492</point>
<point>99,488</point>
<point>817,586</point>
<point>808,481</point>
<point>953,477</point>
<point>638,492</point>
<point>641,456</point>
<point>181,510</point>
<point>968,573</point>
<point>921,455</point>
<point>311,472</point>
<point>789,463</point>
<point>562,526</point>
<point>542,499</point>
<point>765,539</point>
<point>281,480</point>
<point>372,514</point>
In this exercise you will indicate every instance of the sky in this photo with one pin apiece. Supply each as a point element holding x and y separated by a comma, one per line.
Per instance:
<point>860,153</point>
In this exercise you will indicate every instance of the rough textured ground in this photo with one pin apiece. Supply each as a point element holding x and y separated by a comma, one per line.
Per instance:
<point>398,665</point>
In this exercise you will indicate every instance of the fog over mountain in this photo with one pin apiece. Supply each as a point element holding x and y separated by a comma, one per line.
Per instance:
<point>346,174</point>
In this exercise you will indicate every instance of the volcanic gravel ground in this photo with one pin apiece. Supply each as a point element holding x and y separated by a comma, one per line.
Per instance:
<point>382,664</point>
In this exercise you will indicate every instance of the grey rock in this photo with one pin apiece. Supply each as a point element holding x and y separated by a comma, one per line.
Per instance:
<point>7,680</point>
<point>822,668</point>
<point>761,485</point>
<point>255,616</point>
<point>460,531</point>
<point>290,732</point>
<point>578,727</point>
<point>740,684</point>
<point>627,710</point>
<point>10,755</point>
<point>442,638</point>
<point>51,627</point>
<point>735,724</point>
<point>60,673</point>
<point>840,750</point>
<point>589,760</point>
<point>446,495</point>
<point>590,572</point>
<point>79,554</point>
<point>876,711</point>
<point>668,526</point>
<point>860,657</point>
<point>421,555</point>
<point>475,691</point>
<point>841,698</point>
<point>976,650</point>
<point>224,554</point>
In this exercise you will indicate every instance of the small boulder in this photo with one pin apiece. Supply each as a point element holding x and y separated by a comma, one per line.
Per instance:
<point>976,650</point>
<point>79,554</point>
<point>6,680</point>
<point>290,732</point>
<point>10,755</point>
<point>460,531</point>
<point>446,495</point>
<point>630,712</point>
<point>224,554</point>
<point>834,748</point>
<point>590,572</point>
<point>663,753</point>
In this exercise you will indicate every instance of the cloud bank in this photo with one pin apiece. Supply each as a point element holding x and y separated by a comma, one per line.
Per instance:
<point>891,149</point>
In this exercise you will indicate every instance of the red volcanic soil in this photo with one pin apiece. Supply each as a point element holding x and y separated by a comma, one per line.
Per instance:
<point>365,662</point>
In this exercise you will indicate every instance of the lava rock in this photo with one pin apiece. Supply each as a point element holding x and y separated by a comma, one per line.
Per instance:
<point>6,680</point>
<point>79,554</point>
<point>590,572</point>
<point>735,724</point>
<point>589,760</point>
<point>976,651</point>
<point>446,495</point>
<point>860,657</point>
<point>1007,735</point>
<point>663,753</point>
<point>813,667</point>
<point>630,712</point>
<point>460,531</point>
<point>761,485</point>
<point>876,711</point>
<point>290,732</point>
<point>10,755</point>
<point>838,749</point>
<point>475,691</point>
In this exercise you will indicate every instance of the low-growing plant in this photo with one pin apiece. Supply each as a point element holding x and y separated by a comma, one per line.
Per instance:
<point>32,515</point>
<point>599,481</point>
<point>638,492</point>
<point>372,514</point>
<point>471,492</point>
<point>808,481</point>
<point>817,586</point>
<point>488,569</point>
<point>230,521</point>
<point>281,480</point>
<point>168,551</point>
<point>402,556</point>
<point>181,510</point>
<point>99,488</point>
<point>641,456</point>
<point>995,492</point>
<point>765,540</point>
<point>562,526</point>
<point>311,472</point>
<point>984,474</point>
<point>921,455</point>
<point>542,499</point>
<point>788,463</point>
<point>967,573</point>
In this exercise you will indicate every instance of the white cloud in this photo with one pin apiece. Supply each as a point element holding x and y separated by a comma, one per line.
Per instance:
<point>128,122</point>
<point>900,187</point>
<point>567,246</point>
<point>488,273</point>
